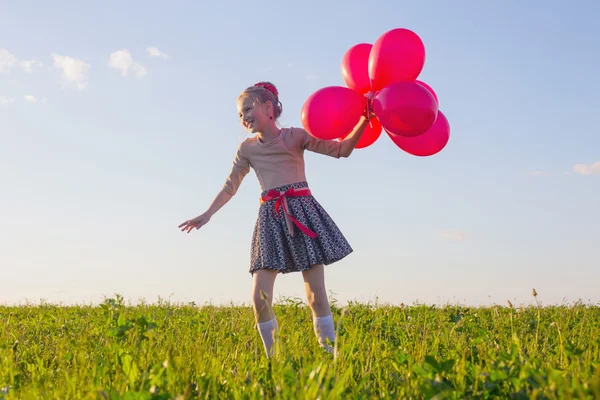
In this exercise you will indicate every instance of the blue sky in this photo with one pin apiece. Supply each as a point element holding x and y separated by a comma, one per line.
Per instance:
<point>106,156</point>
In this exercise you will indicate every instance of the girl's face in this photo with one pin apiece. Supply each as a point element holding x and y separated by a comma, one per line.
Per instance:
<point>254,115</point>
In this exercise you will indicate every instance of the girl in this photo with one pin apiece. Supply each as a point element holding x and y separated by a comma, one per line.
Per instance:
<point>293,232</point>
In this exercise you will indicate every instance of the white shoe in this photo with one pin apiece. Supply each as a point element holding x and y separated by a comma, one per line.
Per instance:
<point>327,348</point>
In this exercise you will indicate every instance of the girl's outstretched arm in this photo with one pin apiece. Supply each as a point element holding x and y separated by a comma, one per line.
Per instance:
<point>220,200</point>
<point>350,141</point>
<point>240,168</point>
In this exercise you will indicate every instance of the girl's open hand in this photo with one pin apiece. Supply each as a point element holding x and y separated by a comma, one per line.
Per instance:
<point>197,223</point>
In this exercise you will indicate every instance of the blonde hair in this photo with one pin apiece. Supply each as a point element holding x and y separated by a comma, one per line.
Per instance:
<point>263,92</point>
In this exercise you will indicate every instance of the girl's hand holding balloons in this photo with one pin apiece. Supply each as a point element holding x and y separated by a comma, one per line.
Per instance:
<point>369,114</point>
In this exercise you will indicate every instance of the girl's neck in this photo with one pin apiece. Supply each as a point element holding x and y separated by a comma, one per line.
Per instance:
<point>268,134</point>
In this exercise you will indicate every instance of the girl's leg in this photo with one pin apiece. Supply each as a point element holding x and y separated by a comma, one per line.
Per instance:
<point>314,284</point>
<point>262,299</point>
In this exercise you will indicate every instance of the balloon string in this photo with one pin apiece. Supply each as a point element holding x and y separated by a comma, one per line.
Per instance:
<point>369,96</point>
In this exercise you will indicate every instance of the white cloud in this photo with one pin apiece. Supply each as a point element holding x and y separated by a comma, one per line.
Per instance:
<point>75,71</point>
<point>457,236</point>
<point>29,64</point>
<point>312,77</point>
<point>587,169</point>
<point>139,70</point>
<point>6,101</point>
<point>31,99</point>
<point>540,173</point>
<point>9,61</point>
<point>154,52</point>
<point>122,61</point>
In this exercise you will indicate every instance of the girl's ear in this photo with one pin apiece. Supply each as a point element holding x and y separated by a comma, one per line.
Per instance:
<point>268,108</point>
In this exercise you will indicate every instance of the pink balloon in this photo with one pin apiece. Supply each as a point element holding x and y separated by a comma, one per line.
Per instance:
<point>427,144</point>
<point>370,134</point>
<point>397,56</point>
<point>355,67</point>
<point>405,108</point>
<point>426,86</point>
<point>332,112</point>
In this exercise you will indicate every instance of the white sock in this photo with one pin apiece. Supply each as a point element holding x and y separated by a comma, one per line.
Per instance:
<point>267,331</point>
<point>324,329</point>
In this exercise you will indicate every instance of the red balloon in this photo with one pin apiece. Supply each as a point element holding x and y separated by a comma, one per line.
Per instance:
<point>355,67</point>
<point>370,134</point>
<point>397,56</point>
<point>427,144</point>
<point>405,108</point>
<point>426,86</point>
<point>332,112</point>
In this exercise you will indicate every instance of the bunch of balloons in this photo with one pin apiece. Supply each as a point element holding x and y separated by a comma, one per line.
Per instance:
<point>384,76</point>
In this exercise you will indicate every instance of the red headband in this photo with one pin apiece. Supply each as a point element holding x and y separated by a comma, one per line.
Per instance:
<point>269,87</point>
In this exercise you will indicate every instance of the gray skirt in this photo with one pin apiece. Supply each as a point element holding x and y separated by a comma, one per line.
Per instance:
<point>274,248</point>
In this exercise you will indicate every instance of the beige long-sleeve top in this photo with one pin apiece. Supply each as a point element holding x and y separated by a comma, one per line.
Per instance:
<point>278,162</point>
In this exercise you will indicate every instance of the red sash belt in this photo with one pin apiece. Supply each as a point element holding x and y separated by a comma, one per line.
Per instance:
<point>281,200</point>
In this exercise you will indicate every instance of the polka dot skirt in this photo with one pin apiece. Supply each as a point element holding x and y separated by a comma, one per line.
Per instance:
<point>274,248</point>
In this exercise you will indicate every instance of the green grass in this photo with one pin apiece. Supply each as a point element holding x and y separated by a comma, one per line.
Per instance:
<point>163,351</point>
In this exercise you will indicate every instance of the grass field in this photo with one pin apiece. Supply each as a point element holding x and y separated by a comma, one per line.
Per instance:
<point>164,351</point>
